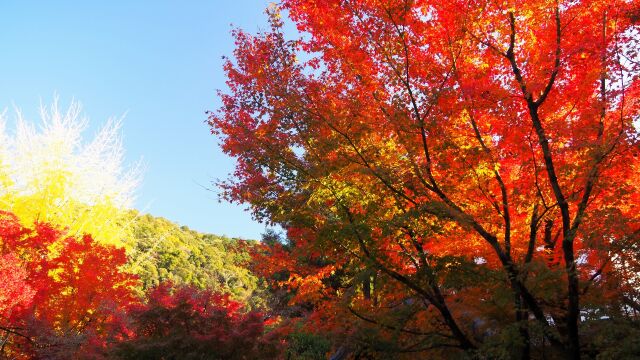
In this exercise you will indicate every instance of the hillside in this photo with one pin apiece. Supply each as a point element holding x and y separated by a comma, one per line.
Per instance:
<point>161,250</point>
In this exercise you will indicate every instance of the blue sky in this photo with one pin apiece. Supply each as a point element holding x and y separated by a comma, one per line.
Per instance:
<point>157,61</point>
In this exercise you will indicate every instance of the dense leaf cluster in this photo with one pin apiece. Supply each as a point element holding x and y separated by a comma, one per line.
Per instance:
<point>187,323</point>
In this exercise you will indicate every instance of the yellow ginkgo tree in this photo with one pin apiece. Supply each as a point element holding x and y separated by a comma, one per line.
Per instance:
<point>50,172</point>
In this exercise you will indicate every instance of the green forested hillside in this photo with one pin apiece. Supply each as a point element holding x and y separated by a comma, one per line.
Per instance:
<point>161,250</point>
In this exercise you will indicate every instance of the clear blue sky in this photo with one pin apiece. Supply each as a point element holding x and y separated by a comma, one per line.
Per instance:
<point>158,61</point>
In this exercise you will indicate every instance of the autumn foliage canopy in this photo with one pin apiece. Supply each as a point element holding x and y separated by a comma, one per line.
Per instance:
<point>454,177</point>
<point>69,298</point>
<point>61,292</point>
<point>454,180</point>
<point>187,323</point>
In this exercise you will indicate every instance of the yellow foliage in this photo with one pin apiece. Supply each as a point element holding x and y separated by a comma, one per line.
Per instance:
<point>51,175</point>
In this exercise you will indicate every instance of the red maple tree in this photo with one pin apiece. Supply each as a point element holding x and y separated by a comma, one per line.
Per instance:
<point>68,295</point>
<point>454,175</point>
<point>185,322</point>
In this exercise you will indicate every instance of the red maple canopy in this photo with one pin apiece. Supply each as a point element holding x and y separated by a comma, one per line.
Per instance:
<point>448,172</point>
